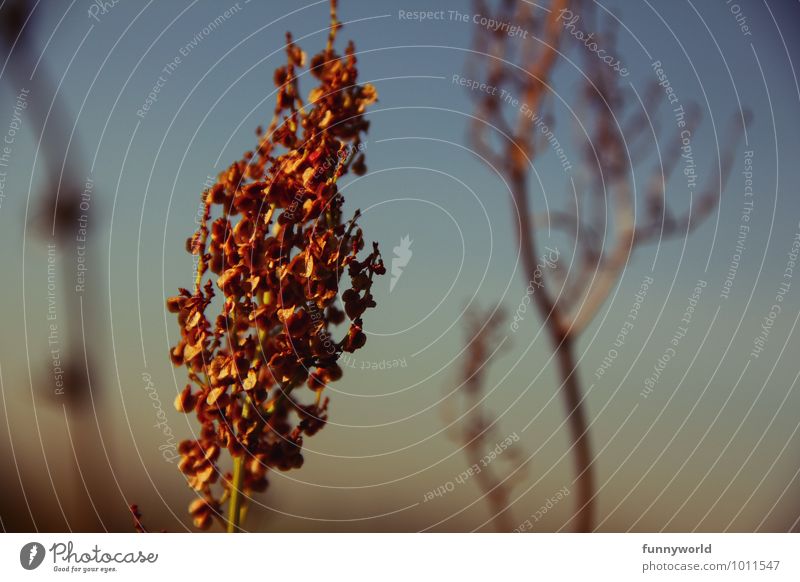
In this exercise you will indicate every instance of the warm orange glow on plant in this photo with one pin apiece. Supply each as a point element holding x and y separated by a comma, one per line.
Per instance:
<point>274,237</point>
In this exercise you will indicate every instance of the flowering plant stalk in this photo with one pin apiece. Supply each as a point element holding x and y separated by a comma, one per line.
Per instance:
<point>274,238</point>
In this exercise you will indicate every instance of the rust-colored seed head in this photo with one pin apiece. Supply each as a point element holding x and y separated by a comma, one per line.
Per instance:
<point>273,241</point>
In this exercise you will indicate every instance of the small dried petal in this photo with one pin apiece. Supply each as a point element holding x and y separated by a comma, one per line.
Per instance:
<point>214,395</point>
<point>174,304</point>
<point>185,401</point>
<point>250,382</point>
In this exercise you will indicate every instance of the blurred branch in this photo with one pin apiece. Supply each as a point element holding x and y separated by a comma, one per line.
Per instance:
<point>602,218</point>
<point>473,426</point>
<point>59,220</point>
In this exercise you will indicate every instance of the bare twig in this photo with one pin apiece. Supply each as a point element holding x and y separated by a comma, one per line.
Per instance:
<point>602,247</point>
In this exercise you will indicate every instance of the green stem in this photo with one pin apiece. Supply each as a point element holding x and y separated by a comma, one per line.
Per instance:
<point>235,508</point>
<point>235,503</point>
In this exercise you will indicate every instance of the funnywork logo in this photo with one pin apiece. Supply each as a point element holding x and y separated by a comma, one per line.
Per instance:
<point>402,255</point>
<point>31,555</point>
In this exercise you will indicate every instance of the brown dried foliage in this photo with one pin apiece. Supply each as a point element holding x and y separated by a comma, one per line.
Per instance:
<point>274,242</point>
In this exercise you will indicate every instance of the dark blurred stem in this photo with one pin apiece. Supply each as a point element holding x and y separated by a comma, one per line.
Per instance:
<point>579,433</point>
<point>496,495</point>
<point>563,346</point>
<point>52,122</point>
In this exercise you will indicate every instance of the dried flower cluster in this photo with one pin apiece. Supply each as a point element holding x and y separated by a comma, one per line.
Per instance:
<point>273,234</point>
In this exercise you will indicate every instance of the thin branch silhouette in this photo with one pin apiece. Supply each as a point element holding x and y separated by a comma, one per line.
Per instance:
<point>615,120</point>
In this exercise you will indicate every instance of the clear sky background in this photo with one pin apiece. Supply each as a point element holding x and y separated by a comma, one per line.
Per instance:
<point>715,446</point>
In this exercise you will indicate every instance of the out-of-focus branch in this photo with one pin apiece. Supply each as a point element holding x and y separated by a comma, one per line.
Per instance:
<point>59,204</point>
<point>603,218</point>
<point>472,425</point>
<point>59,218</point>
<point>537,61</point>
